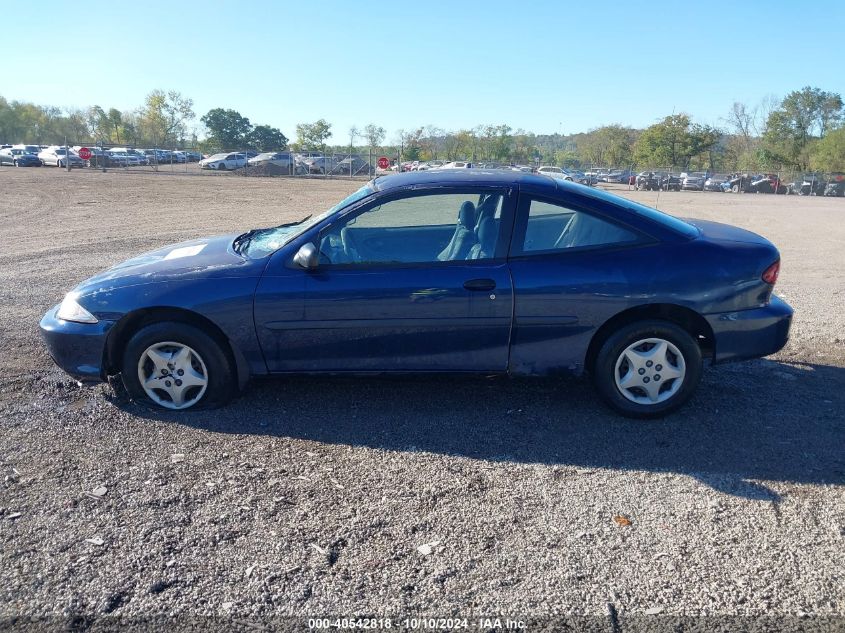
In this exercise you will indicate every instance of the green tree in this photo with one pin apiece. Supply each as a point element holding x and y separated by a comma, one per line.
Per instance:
<point>829,152</point>
<point>265,138</point>
<point>313,136</point>
<point>163,118</point>
<point>374,135</point>
<point>227,129</point>
<point>610,145</point>
<point>792,129</point>
<point>677,142</point>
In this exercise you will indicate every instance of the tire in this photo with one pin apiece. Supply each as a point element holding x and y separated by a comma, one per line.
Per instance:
<point>208,374</point>
<point>221,167</point>
<point>15,163</point>
<point>734,188</point>
<point>682,355</point>
<point>59,164</point>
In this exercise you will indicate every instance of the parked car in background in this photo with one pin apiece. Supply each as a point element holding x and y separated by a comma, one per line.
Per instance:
<point>224,161</point>
<point>354,165</point>
<point>810,184</point>
<point>18,158</point>
<point>280,159</point>
<point>648,181</point>
<point>554,172</point>
<point>580,177</point>
<point>597,174</point>
<point>714,182</point>
<point>571,175</point>
<point>456,164</point>
<point>757,183</point>
<point>29,149</point>
<point>619,176</point>
<point>836,185</point>
<point>59,157</point>
<point>187,325</point>
<point>129,157</point>
<point>671,181</point>
<point>693,181</point>
<point>325,164</point>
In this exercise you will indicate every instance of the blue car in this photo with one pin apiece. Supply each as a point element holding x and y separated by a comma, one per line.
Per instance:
<point>435,271</point>
<point>19,158</point>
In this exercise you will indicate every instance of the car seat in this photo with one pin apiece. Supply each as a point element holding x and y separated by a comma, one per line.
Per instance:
<point>464,235</point>
<point>486,246</point>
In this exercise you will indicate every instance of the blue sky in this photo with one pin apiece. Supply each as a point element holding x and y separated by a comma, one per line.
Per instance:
<point>542,66</point>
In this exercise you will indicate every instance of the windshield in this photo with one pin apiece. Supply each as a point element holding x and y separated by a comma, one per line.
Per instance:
<point>265,241</point>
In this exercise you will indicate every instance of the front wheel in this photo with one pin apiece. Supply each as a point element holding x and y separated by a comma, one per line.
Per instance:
<point>221,167</point>
<point>647,369</point>
<point>177,366</point>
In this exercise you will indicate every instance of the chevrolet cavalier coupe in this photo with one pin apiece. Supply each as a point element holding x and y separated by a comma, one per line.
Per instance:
<point>482,271</point>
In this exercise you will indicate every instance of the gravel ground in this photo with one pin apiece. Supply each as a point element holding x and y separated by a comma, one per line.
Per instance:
<point>311,496</point>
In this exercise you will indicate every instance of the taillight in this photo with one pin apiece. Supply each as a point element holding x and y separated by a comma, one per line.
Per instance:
<point>770,275</point>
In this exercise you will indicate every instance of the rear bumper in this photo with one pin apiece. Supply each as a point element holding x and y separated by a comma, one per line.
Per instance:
<point>77,348</point>
<point>750,333</point>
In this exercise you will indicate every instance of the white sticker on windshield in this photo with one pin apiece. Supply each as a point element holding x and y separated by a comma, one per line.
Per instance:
<point>185,251</point>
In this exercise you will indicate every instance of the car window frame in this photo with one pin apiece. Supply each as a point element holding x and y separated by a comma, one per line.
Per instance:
<point>509,200</point>
<point>521,225</point>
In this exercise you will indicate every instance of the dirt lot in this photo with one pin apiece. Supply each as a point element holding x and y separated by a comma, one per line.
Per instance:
<point>312,496</point>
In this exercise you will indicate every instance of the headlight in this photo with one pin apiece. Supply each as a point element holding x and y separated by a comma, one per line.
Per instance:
<point>70,310</point>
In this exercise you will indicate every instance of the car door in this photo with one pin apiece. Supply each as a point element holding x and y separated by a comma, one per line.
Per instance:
<point>573,265</point>
<point>389,294</point>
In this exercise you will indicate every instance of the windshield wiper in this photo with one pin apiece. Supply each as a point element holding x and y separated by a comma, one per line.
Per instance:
<point>281,226</point>
<point>242,240</point>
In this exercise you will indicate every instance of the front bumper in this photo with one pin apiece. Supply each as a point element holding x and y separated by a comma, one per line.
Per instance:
<point>77,348</point>
<point>750,333</point>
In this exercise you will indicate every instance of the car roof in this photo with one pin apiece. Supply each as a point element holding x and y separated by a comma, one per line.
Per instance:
<point>468,177</point>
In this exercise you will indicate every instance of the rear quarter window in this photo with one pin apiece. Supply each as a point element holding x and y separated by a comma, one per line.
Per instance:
<point>669,221</point>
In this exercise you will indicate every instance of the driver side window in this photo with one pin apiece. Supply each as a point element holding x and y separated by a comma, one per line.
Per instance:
<point>417,229</point>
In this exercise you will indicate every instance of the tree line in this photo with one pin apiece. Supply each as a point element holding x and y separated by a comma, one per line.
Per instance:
<point>802,131</point>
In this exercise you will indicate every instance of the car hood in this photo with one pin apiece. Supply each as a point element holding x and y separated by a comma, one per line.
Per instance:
<point>205,258</point>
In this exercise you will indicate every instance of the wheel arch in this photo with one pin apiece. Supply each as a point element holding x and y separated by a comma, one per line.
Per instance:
<point>690,320</point>
<point>130,323</point>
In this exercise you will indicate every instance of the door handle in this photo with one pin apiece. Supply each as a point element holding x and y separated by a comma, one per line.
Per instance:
<point>480,284</point>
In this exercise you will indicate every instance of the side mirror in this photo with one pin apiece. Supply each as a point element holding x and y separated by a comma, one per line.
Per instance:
<point>307,256</point>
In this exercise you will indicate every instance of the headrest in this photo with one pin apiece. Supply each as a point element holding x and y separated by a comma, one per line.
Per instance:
<point>466,215</point>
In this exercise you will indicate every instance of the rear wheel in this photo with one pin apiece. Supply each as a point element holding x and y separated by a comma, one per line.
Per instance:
<point>177,366</point>
<point>647,369</point>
